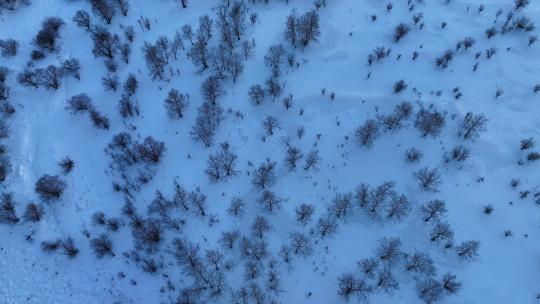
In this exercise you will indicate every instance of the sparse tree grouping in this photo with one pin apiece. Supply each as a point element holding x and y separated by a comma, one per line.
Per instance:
<point>377,273</point>
<point>82,103</point>
<point>164,227</point>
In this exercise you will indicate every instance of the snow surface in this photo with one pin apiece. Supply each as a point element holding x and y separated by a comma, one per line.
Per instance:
<point>42,133</point>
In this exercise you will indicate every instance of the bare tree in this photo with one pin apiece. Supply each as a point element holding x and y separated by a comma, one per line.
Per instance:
<point>8,47</point>
<point>259,249</point>
<point>225,26</point>
<point>429,122</point>
<point>261,226</point>
<point>235,66</point>
<point>386,281</point>
<point>33,213</point>
<point>308,28</point>
<point>420,262</point>
<point>270,201</point>
<point>80,103</point>
<point>368,133</point>
<point>123,5</point>
<point>458,153</point>
<point>398,207</point>
<point>256,94</point>
<point>273,88</point>
<point>198,53</point>
<point>264,176</point>
<point>377,200</point>
<point>341,206</point>
<point>312,160</point>
<point>285,253</point>
<point>150,150</point>
<point>28,78</point>
<point>130,85</point>
<point>129,33</point>
<point>50,77</point>
<point>176,45</point>
<point>105,9</point>
<point>102,246</point>
<point>450,283</point>
<point>157,57</point>
<point>69,247</point>
<point>300,244</point>
<point>205,27</point>
<point>291,28</point>
<point>82,19</point>
<point>72,67</point>
<point>428,179</point>
<point>187,33</point>
<point>237,16</point>
<point>7,209</point>
<point>99,120</point>
<point>294,155</point>
<point>51,246</point>
<point>389,250</point>
<point>149,235</point>
<point>105,44</point>
<point>429,290</point>
<point>275,56</point>
<point>472,125</point>
<point>5,168</point>
<point>247,48</point>
<point>402,112</point>
<point>12,5</point>
<point>228,239</point>
<point>222,165</point>
<point>214,257</point>
<point>110,82</point>
<point>444,59</point>
<point>350,286</point>
<point>468,250</point>
<point>206,123</point>
<point>304,213</point>
<point>46,38</point>
<point>4,89</point>
<point>273,282</point>
<point>441,232</point>
<point>197,201</point>
<point>67,164</point>
<point>369,267</point>
<point>491,32</point>
<point>212,89</point>
<point>401,31</point>
<point>236,207</point>
<point>160,205</point>
<point>271,124</point>
<point>519,4</point>
<point>176,104</point>
<point>433,210</point>
<point>327,226</point>
<point>252,270</point>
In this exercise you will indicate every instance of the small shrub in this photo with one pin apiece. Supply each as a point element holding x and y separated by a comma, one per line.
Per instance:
<point>413,155</point>
<point>67,164</point>
<point>399,86</point>
<point>49,187</point>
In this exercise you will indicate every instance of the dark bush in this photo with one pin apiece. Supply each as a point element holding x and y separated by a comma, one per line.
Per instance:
<point>47,37</point>
<point>50,188</point>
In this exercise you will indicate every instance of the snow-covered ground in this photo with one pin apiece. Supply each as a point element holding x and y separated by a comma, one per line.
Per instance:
<point>42,133</point>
